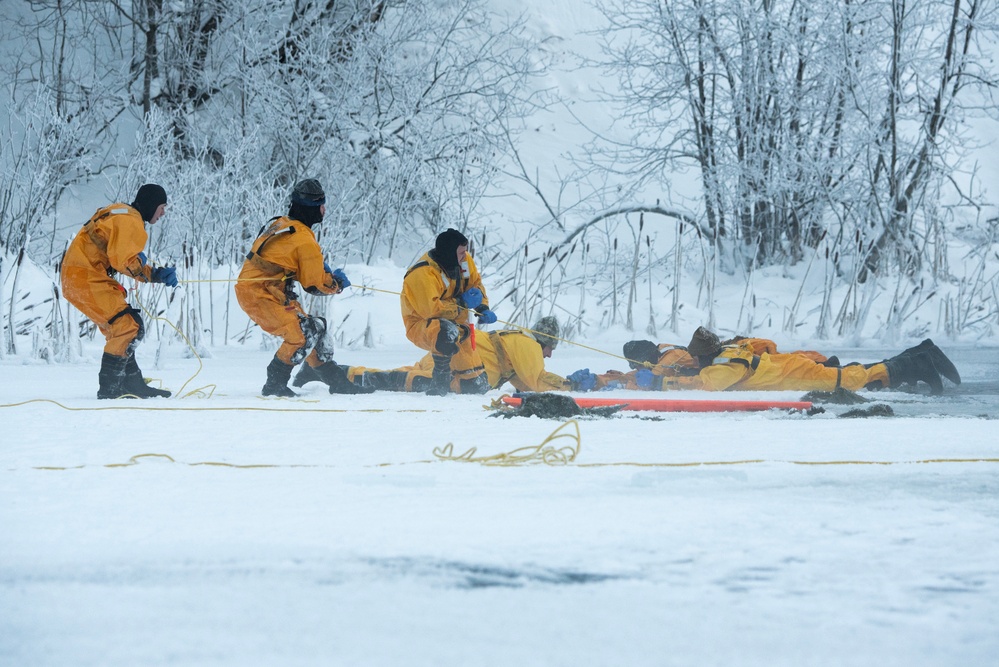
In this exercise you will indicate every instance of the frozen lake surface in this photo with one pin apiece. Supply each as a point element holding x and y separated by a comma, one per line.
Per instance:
<point>234,530</point>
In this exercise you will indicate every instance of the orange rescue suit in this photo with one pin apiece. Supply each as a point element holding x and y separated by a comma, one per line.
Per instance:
<point>110,242</point>
<point>430,295</point>
<point>286,250</point>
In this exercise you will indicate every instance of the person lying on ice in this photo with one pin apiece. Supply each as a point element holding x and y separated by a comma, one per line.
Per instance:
<point>514,356</point>
<point>111,242</point>
<point>651,362</point>
<point>743,364</point>
<point>438,294</point>
<point>287,251</point>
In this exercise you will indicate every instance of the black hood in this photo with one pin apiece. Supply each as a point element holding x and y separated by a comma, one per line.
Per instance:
<point>445,251</point>
<point>148,199</point>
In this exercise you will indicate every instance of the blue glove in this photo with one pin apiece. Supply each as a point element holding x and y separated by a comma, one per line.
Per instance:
<point>164,274</point>
<point>472,298</point>
<point>486,316</point>
<point>142,258</point>
<point>582,380</point>
<point>340,277</point>
<point>326,268</point>
<point>646,379</point>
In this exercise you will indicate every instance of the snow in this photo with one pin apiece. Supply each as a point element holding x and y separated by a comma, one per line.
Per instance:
<point>221,528</point>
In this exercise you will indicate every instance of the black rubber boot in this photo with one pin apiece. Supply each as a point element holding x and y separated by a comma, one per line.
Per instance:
<point>305,375</point>
<point>440,382</point>
<point>385,380</point>
<point>910,368</point>
<point>943,365</point>
<point>336,378</point>
<point>135,384</point>
<point>477,385</point>
<point>111,376</point>
<point>278,374</point>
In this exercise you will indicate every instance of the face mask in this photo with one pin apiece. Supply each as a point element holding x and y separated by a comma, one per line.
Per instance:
<point>465,273</point>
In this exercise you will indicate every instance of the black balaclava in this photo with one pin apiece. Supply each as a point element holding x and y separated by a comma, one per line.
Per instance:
<point>148,199</point>
<point>445,251</point>
<point>306,201</point>
<point>639,352</point>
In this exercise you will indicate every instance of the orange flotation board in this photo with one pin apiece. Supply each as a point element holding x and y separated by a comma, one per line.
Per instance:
<point>675,405</point>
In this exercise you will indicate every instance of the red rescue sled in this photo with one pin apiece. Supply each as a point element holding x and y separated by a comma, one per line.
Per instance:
<point>677,405</point>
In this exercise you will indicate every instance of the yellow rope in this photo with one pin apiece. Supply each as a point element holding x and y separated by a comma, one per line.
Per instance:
<point>393,292</point>
<point>200,391</point>
<point>210,409</point>
<point>542,453</point>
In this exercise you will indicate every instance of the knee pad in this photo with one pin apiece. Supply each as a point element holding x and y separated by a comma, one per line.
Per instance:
<point>314,330</point>
<point>135,315</point>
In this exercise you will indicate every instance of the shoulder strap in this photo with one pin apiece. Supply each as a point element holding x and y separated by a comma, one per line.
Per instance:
<point>418,265</point>
<point>90,226</point>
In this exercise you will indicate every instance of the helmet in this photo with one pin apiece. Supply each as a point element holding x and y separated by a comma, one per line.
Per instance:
<point>546,331</point>
<point>639,352</point>
<point>704,343</point>
<point>308,193</point>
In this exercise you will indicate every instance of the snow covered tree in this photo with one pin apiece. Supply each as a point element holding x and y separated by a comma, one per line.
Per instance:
<point>798,119</point>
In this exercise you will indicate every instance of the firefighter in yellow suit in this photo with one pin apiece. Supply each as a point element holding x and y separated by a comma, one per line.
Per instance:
<point>746,364</point>
<point>650,363</point>
<point>438,294</point>
<point>513,356</point>
<point>285,251</point>
<point>738,367</point>
<point>111,242</point>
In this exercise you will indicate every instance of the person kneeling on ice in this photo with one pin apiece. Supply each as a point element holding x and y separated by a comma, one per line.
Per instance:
<point>738,366</point>
<point>112,241</point>
<point>439,293</point>
<point>514,356</point>
<point>286,250</point>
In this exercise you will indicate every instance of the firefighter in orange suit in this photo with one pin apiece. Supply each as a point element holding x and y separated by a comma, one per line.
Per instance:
<point>111,242</point>
<point>513,356</point>
<point>438,293</point>
<point>285,251</point>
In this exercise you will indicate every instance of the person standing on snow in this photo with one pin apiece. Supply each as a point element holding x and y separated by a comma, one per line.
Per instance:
<point>438,293</point>
<point>514,356</point>
<point>286,250</point>
<point>111,242</point>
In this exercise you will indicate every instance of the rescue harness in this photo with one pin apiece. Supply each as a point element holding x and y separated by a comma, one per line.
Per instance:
<point>268,232</point>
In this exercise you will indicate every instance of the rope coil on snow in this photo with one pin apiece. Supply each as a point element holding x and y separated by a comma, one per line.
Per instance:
<point>543,453</point>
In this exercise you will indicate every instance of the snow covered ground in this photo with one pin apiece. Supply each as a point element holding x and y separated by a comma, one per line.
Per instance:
<point>234,530</point>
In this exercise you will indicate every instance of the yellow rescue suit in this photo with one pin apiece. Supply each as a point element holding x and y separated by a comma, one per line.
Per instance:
<point>110,242</point>
<point>285,251</point>
<point>508,356</point>
<point>738,368</point>
<point>675,361</point>
<point>430,295</point>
